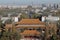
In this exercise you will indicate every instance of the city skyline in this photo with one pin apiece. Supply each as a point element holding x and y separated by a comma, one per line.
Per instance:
<point>27,2</point>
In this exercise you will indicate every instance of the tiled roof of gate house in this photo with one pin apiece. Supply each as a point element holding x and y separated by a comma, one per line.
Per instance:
<point>30,21</point>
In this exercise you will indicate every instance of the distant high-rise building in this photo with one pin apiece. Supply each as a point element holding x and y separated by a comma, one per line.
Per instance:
<point>55,6</point>
<point>43,5</point>
<point>49,6</point>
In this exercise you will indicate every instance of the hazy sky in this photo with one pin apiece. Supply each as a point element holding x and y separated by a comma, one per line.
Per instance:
<point>29,2</point>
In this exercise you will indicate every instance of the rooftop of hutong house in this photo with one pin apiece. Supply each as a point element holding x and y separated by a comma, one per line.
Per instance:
<point>8,26</point>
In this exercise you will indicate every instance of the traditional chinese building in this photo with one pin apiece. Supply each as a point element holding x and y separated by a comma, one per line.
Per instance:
<point>32,29</point>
